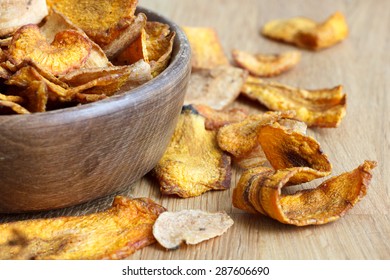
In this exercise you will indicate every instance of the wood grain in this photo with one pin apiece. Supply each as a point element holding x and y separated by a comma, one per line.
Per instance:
<point>361,64</point>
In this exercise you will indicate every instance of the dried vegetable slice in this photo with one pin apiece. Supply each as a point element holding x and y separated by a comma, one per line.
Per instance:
<point>9,107</point>
<point>260,191</point>
<point>193,163</point>
<point>320,108</point>
<point>241,139</point>
<point>12,98</point>
<point>306,33</point>
<point>14,14</point>
<point>113,234</point>
<point>217,87</point>
<point>103,21</point>
<point>263,65</point>
<point>285,148</point>
<point>171,229</point>
<point>215,119</point>
<point>68,51</point>
<point>55,22</point>
<point>207,51</point>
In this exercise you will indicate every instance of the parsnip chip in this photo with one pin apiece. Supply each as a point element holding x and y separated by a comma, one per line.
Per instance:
<point>55,22</point>
<point>190,226</point>
<point>134,52</point>
<point>306,33</point>
<point>286,148</point>
<point>37,96</point>
<point>264,65</point>
<point>12,98</point>
<point>215,119</point>
<point>207,51</point>
<point>217,87</point>
<point>162,54</point>
<point>321,108</point>
<point>113,234</point>
<point>14,14</point>
<point>67,52</point>
<point>193,163</point>
<point>103,20</point>
<point>9,107</point>
<point>293,125</point>
<point>261,191</point>
<point>241,139</point>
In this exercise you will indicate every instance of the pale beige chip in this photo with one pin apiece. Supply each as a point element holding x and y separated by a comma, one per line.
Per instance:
<point>14,14</point>
<point>217,87</point>
<point>266,65</point>
<point>190,226</point>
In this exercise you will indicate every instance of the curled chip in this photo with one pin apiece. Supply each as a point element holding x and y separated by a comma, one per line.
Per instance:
<point>207,51</point>
<point>260,191</point>
<point>55,22</point>
<point>263,65</point>
<point>103,21</point>
<point>241,139</point>
<point>193,163</point>
<point>320,108</point>
<point>217,87</point>
<point>189,226</point>
<point>68,51</point>
<point>113,234</point>
<point>215,119</point>
<point>9,107</point>
<point>14,14</point>
<point>306,33</point>
<point>285,148</point>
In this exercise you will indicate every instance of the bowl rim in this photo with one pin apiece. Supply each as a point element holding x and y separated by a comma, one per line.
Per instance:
<point>181,55</point>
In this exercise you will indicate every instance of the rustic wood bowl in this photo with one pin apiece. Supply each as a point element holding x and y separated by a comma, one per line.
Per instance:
<point>69,156</point>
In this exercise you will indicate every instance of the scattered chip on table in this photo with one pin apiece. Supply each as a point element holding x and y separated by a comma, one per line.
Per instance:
<point>15,14</point>
<point>317,108</point>
<point>266,65</point>
<point>260,191</point>
<point>171,229</point>
<point>207,51</point>
<point>113,234</point>
<point>215,119</point>
<point>306,33</point>
<point>217,87</point>
<point>193,162</point>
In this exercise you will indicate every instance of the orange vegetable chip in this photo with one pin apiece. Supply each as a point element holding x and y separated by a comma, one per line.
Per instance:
<point>260,191</point>
<point>308,34</point>
<point>193,163</point>
<point>217,87</point>
<point>216,119</point>
<point>14,14</point>
<point>285,148</point>
<point>263,65</point>
<point>68,51</point>
<point>113,234</point>
<point>321,108</point>
<point>241,139</point>
<point>12,98</point>
<point>189,226</point>
<point>10,107</point>
<point>103,20</point>
<point>207,51</point>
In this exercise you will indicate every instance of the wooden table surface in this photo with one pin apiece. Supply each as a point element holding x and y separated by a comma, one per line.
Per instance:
<point>362,65</point>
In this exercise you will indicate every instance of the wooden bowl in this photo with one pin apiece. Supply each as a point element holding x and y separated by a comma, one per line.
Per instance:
<point>70,156</point>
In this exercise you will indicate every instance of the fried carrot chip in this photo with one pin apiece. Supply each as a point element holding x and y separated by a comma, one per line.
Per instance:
<point>113,234</point>
<point>207,51</point>
<point>55,22</point>
<point>217,87</point>
<point>306,33</point>
<point>215,119</point>
<point>14,14</point>
<point>193,163</point>
<point>171,229</point>
<point>9,107</point>
<point>321,108</point>
<point>286,148</point>
<point>103,20</point>
<point>68,51</point>
<point>263,65</point>
<point>260,191</point>
<point>241,139</point>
